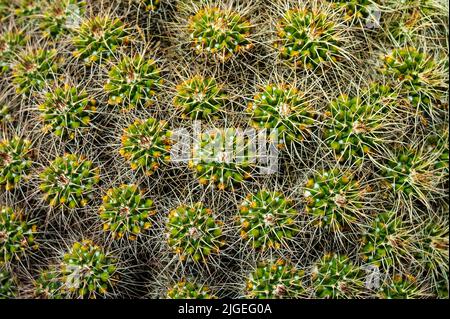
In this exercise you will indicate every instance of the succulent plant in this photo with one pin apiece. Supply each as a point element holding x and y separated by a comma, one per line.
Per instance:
<point>10,43</point>
<point>437,143</point>
<point>15,161</point>
<point>97,38</point>
<point>69,181</point>
<point>150,5</point>
<point>67,111</point>
<point>267,219</point>
<point>194,233</point>
<point>275,280</point>
<point>333,199</point>
<point>24,10</point>
<point>126,212</point>
<point>354,10</point>
<point>133,82</point>
<point>146,145</point>
<point>8,286</point>
<point>49,284</point>
<point>284,108</point>
<point>16,234</point>
<point>189,290</point>
<point>61,17</point>
<point>336,276</point>
<point>200,97</point>
<point>399,287</point>
<point>308,38</point>
<point>35,70</point>
<point>219,33</point>
<point>5,114</point>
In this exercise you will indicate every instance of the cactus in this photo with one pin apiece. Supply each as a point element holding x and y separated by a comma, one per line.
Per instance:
<point>283,108</point>
<point>335,276</point>
<point>219,33</point>
<point>69,181</point>
<point>26,10</point>
<point>437,143</point>
<point>49,285</point>
<point>97,38</point>
<point>442,287</point>
<point>8,285</point>
<point>35,70</point>
<point>10,43</point>
<point>146,145</point>
<point>194,233</point>
<point>200,97</point>
<point>189,290</point>
<point>275,280</point>
<point>354,10</point>
<point>333,199</point>
<point>15,161</point>
<point>125,212</point>
<point>400,287</point>
<point>308,38</point>
<point>67,111</point>
<point>133,81</point>
<point>150,5</point>
<point>5,114</point>
<point>61,17</point>
<point>267,220</point>
<point>16,234</point>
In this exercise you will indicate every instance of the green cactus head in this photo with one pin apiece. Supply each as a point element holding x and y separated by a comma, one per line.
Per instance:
<point>49,284</point>
<point>133,81</point>
<point>10,43</point>
<point>219,33</point>
<point>16,234</point>
<point>284,108</point>
<point>308,38</point>
<point>355,11</point>
<point>275,280</point>
<point>5,114</point>
<point>189,290</point>
<point>146,145</point>
<point>97,38</point>
<point>15,161</point>
<point>8,285</point>
<point>399,287</point>
<point>333,199</point>
<point>61,17</point>
<point>35,70</point>
<point>150,5</point>
<point>67,111</point>
<point>194,233</point>
<point>24,10</point>
<point>200,97</point>
<point>126,212</point>
<point>335,276</point>
<point>267,219</point>
<point>69,181</point>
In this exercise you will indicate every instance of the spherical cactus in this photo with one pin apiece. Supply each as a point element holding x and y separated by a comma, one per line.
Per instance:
<point>61,17</point>
<point>354,10</point>
<point>189,290</point>
<point>15,161</point>
<point>8,286</point>
<point>333,199</point>
<point>97,38</point>
<point>335,276</point>
<point>283,108</point>
<point>35,70</point>
<point>133,81</point>
<point>267,219</point>
<point>10,43</point>
<point>275,280</point>
<point>67,111</point>
<point>69,181</point>
<point>194,233</point>
<point>125,212</point>
<point>219,33</point>
<point>49,285</point>
<point>150,5</point>
<point>399,287</point>
<point>146,145</point>
<point>308,38</point>
<point>200,97</point>
<point>16,234</point>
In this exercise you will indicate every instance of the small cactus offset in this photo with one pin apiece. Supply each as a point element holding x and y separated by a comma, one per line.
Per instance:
<point>219,33</point>
<point>200,97</point>
<point>97,38</point>
<point>61,17</point>
<point>336,276</point>
<point>133,82</point>
<point>15,161</point>
<point>267,219</point>
<point>354,10</point>
<point>189,290</point>
<point>283,108</point>
<point>400,287</point>
<point>10,43</point>
<point>193,232</point>
<point>69,181</point>
<point>126,212</point>
<point>275,280</point>
<point>16,234</point>
<point>49,285</point>
<point>67,111</point>
<point>8,286</point>
<point>308,38</point>
<point>146,145</point>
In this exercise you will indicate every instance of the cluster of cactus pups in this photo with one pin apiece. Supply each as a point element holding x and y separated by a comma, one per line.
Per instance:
<point>92,95</point>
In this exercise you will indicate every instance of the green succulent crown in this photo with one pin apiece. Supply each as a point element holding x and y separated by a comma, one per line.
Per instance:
<point>10,43</point>
<point>189,290</point>
<point>400,287</point>
<point>8,287</point>
<point>354,10</point>
<point>60,17</point>
<point>15,161</point>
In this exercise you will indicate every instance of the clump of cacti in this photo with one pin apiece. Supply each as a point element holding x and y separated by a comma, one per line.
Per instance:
<point>275,280</point>
<point>69,181</point>
<point>15,161</point>
<point>10,43</point>
<point>400,287</point>
<point>61,17</point>
<point>189,290</point>
<point>49,285</point>
<point>194,233</point>
<point>8,286</point>
<point>126,212</point>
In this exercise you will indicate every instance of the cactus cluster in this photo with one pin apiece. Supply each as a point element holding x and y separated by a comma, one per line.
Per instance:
<point>354,10</point>
<point>400,287</point>
<point>15,161</point>
<point>61,17</point>
<point>189,290</point>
